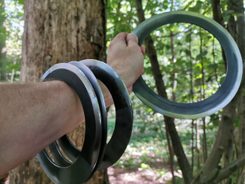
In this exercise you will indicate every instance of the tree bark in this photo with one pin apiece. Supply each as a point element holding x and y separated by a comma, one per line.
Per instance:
<point>58,31</point>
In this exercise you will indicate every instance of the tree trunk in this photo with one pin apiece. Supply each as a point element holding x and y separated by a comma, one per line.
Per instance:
<point>211,167</point>
<point>58,31</point>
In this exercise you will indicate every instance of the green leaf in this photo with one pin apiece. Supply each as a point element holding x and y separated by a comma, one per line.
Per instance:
<point>21,1</point>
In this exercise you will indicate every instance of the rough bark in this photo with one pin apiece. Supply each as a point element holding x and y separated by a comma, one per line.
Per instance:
<point>58,31</point>
<point>161,89</point>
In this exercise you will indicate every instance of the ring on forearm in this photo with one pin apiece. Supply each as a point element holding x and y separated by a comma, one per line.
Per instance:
<point>124,115</point>
<point>63,147</point>
<point>80,170</point>
<point>63,150</point>
<point>98,91</point>
<point>215,102</point>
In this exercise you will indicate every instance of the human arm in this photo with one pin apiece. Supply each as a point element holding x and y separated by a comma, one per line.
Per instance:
<point>34,115</point>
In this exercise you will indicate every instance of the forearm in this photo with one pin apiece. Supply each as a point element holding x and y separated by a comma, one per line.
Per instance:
<point>32,116</point>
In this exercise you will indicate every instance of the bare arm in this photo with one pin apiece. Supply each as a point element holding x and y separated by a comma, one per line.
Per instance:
<point>34,115</point>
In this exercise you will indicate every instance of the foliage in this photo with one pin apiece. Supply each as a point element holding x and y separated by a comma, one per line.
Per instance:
<point>11,29</point>
<point>191,63</point>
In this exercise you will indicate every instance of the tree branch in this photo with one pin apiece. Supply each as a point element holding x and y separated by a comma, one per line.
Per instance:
<point>229,169</point>
<point>217,14</point>
<point>211,167</point>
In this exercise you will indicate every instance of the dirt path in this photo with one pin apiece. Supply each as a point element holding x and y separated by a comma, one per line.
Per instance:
<point>123,176</point>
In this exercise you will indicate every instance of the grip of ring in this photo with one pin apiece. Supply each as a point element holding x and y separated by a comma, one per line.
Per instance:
<point>227,90</point>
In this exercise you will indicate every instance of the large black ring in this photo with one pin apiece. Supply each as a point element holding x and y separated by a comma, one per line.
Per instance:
<point>124,114</point>
<point>80,170</point>
<point>90,75</point>
<point>215,102</point>
<point>65,152</point>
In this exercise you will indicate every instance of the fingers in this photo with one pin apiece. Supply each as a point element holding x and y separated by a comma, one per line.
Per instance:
<point>120,40</point>
<point>132,40</point>
<point>133,43</point>
<point>126,39</point>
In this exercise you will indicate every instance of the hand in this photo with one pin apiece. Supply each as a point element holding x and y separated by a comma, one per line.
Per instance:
<point>126,57</point>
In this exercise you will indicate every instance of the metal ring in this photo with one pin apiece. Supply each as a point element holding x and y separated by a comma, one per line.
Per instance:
<point>63,147</point>
<point>90,75</point>
<point>79,171</point>
<point>63,150</point>
<point>124,113</point>
<point>227,90</point>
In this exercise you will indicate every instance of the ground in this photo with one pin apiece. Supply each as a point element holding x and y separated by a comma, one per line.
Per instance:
<point>136,176</point>
<point>146,159</point>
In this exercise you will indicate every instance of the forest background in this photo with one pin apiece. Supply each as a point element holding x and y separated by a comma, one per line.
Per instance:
<point>183,63</point>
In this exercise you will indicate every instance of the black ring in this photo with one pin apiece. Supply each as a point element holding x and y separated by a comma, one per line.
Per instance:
<point>64,149</point>
<point>89,74</point>
<point>124,114</point>
<point>79,171</point>
<point>215,102</point>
